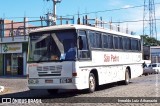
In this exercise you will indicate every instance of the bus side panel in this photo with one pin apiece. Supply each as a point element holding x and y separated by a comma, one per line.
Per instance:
<point>111,74</point>
<point>111,66</point>
<point>136,70</point>
<point>82,75</point>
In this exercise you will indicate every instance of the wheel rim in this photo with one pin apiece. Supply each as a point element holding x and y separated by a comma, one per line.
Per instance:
<point>92,82</point>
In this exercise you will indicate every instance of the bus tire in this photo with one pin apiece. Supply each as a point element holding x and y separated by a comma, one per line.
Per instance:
<point>52,91</point>
<point>127,78</point>
<point>92,83</point>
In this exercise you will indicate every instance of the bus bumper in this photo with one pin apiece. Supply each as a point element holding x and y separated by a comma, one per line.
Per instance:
<point>54,84</point>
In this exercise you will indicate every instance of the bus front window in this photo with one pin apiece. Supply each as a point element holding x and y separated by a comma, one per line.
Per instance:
<point>52,46</point>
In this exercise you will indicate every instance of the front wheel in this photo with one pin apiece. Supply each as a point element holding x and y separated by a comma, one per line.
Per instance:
<point>92,83</point>
<point>52,91</point>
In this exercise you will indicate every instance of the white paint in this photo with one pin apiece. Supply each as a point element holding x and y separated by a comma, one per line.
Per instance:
<point>110,65</point>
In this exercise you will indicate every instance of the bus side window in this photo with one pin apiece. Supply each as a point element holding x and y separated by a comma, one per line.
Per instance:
<point>80,43</point>
<point>83,51</point>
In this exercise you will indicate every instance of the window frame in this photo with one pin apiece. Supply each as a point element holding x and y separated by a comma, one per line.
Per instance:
<point>102,37</point>
<point>121,42</point>
<point>88,47</point>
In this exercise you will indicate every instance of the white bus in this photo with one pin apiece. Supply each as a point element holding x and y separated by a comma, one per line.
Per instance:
<point>81,57</point>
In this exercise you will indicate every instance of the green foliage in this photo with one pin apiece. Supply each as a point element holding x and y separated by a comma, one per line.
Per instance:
<point>149,41</point>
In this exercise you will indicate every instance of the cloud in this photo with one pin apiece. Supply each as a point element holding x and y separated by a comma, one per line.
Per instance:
<point>115,2</point>
<point>127,6</point>
<point>158,22</point>
<point>135,14</point>
<point>157,13</point>
<point>132,14</point>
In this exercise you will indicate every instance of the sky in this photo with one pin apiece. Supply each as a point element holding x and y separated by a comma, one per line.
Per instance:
<point>12,9</point>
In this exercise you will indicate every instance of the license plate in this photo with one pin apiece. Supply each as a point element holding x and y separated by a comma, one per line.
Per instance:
<point>48,81</point>
<point>67,80</point>
<point>63,80</point>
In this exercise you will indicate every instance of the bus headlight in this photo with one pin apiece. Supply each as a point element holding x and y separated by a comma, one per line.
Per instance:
<point>33,81</point>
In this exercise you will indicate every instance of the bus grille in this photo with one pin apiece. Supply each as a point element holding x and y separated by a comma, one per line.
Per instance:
<point>49,70</point>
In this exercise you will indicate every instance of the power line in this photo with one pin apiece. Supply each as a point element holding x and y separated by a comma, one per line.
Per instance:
<point>128,21</point>
<point>19,17</point>
<point>105,10</point>
<point>124,8</point>
<point>133,21</point>
<point>94,11</point>
<point>91,12</point>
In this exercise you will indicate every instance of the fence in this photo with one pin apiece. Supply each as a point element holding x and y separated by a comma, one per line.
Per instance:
<point>105,25</point>
<point>12,29</point>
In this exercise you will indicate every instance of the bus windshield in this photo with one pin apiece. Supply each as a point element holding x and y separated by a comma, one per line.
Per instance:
<point>52,46</point>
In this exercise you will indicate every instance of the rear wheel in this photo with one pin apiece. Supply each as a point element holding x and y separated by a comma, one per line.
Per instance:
<point>52,91</point>
<point>92,83</point>
<point>127,78</point>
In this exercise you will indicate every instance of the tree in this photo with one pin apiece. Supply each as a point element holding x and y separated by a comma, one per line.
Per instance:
<point>149,41</point>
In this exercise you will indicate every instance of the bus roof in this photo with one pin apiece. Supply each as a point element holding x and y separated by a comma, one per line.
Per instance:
<point>75,26</point>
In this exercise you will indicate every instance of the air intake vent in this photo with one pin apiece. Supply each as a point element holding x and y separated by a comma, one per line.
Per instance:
<point>39,68</point>
<point>49,70</point>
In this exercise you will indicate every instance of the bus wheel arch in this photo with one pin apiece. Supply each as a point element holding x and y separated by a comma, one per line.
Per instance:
<point>93,80</point>
<point>127,75</point>
<point>129,70</point>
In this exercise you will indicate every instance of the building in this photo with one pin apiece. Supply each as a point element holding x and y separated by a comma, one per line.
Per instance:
<point>13,49</point>
<point>155,54</point>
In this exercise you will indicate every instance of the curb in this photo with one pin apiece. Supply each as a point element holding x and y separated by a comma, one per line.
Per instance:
<point>1,88</point>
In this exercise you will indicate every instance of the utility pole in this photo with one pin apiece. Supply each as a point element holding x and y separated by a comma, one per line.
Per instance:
<point>54,17</point>
<point>149,16</point>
